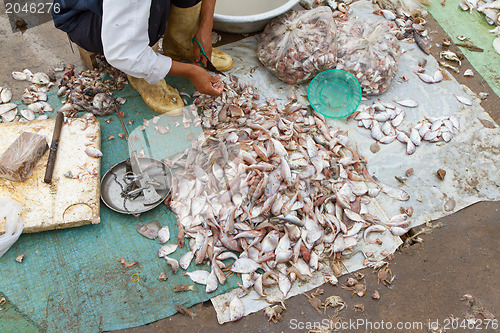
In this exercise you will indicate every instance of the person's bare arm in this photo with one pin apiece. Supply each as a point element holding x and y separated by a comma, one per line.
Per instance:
<point>204,33</point>
<point>202,80</point>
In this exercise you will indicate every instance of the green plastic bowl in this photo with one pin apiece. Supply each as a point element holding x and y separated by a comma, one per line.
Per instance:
<point>334,93</point>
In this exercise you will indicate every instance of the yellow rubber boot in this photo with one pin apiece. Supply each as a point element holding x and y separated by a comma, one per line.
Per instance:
<point>182,25</point>
<point>160,97</point>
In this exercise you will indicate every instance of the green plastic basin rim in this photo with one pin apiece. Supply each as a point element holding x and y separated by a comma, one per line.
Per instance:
<point>344,73</point>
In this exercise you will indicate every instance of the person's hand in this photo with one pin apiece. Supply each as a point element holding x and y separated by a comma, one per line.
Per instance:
<point>204,36</point>
<point>204,82</point>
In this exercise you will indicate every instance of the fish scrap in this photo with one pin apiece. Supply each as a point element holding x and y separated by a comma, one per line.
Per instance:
<point>383,121</point>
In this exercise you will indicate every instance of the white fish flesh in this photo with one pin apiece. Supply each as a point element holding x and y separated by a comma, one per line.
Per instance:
<point>199,276</point>
<point>167,249</point>
<point>7,107</point>
<point>186,259</point>
<point>409,103</point>
<point>93,152</point>
<point>244,265</point>
<point>394,192</point>
<point>236,309</point>
<point>164,234</point>
<point>6,95</point>
<point>464,100</point>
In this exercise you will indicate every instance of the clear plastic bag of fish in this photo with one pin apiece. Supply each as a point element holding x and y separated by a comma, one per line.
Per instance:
<point>18,161</point>
<point>298,45</point>
<point>370,51</point>
<point>10,210</point>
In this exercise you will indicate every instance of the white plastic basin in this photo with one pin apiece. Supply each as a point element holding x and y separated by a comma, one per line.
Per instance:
<point>238,22</point>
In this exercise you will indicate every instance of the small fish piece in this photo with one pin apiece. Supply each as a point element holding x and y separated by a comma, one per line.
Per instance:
<point>163,277</point>
<point>376,132</point>
<point>7,107</point>
<point>9,116</point>
<point>387,128</point>
<point>425,77</point>
<point>284,284</point>
<point>236,309</point>
<point>410,147</point>
<point>149,229</point>
<point>199,276</point>
<point>414,136</point>
<point>402,137</point>
<point>456,123</point>
<point>20,258</point>
<point>496,45</point>
<point>449,205</point>
<point>164,234</point>
<point>185,311</point>
<point>173,263</point>
<point>69,175</point>
<point>447,136</point>
<point>40,78</point>
<point>469,72</point>
<point>449,55</point>
<point>463,100</point>
<point>181,288</point>
<point>167,249</point>
<point>244,265</point>
<point>19,76</point>
<point>125,264</point>
<point>394,192</point>
<point>186,259</point>
<point>5,95</point>
<point>93,152</point>
<point>373,228</point>
<point>398,231</point>
<point>409,103</point>
<point>398,119</point>
<point>388,14</point>
<point>212,282</point>
<point>388,139</point>
<point>28,114</point>
<point>161,129</point>
<point>438,76</point>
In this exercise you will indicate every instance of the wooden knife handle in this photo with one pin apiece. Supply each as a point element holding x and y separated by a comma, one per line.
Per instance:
<point>53,148</point>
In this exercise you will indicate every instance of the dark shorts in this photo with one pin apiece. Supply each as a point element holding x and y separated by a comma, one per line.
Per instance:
<point>87,34</point>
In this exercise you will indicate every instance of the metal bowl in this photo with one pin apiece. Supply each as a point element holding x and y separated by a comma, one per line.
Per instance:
<point>113,183</point>
<point>249,23</point>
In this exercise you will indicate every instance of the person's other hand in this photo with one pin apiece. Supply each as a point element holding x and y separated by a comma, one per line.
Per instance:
<point>204,36</point>
<point>204,82</point>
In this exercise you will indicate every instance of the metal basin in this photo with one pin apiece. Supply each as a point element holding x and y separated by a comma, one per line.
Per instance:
<point>248,23</point>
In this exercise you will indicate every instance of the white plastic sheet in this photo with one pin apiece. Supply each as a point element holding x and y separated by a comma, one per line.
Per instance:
<point>471,159</point>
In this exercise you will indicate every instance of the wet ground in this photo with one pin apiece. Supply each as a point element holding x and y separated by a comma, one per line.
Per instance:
<point>430,278</point>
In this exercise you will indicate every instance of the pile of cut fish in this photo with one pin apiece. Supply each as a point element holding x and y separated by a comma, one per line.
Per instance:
<point>384,118</point>
<point>35,97</point>
<point>273,188</point>
<point>90,91</point>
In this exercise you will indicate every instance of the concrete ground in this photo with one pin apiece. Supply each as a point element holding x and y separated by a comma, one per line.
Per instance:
<point>461,257</point>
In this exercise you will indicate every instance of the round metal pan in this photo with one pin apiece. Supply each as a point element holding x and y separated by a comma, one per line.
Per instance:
<point>113,183</point>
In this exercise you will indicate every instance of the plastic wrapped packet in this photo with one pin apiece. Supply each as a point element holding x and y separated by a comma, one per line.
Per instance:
<point>298,45</point>
<point>370,51</point>
<point>19,159</point>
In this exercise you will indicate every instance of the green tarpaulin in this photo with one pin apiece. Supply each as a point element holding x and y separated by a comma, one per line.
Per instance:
<point>72,280</point>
